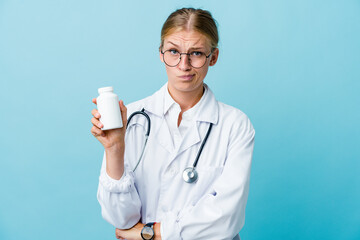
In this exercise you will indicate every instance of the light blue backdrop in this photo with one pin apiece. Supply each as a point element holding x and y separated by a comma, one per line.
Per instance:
<point>292,66</point>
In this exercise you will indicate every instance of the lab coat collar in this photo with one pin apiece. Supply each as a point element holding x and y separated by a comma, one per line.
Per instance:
<point>168,101</point>
<point>208,112</point>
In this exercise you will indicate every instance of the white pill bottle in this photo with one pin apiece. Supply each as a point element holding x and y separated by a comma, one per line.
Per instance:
<point>109,109</point>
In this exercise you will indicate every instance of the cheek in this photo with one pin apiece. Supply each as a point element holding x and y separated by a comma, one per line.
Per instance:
<point>168,69</point>
<point>170,72</point>
<point>202,73</point>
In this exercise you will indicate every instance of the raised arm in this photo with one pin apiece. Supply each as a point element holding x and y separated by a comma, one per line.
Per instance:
<point>117,195</point>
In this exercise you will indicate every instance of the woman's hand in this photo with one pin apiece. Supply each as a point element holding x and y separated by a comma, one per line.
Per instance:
<point>109,138</point>
<point>133,233</point>
<point>113,141</point>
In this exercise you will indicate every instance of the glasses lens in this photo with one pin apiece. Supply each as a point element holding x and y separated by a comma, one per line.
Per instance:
<point>196,59</point>
<point>171,58</point>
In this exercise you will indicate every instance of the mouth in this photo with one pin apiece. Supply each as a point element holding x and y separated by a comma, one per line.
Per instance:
<point>187,77</point>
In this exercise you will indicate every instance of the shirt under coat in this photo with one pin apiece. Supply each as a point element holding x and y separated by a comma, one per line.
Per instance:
<point>211,208</point>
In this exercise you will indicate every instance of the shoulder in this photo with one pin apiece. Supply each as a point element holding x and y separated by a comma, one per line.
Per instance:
<point>152,104</point>
<point>137,105</point>
<point>235,119</point>
<point>230,113</point>
<point>227,117</point>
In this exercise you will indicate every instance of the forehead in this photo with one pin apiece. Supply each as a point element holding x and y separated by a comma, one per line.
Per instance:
<point>187,39</point>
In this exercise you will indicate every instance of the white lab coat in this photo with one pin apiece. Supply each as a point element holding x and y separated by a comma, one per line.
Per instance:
<point>211,208</point>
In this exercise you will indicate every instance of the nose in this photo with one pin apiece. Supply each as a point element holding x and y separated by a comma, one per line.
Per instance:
<point>184,63</point>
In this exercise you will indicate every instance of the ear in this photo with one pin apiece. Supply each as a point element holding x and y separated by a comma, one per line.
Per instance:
<point>214,57</point>
<point>161,56</point>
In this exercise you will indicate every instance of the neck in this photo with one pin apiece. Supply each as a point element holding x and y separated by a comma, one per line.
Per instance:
<point>187,100</point>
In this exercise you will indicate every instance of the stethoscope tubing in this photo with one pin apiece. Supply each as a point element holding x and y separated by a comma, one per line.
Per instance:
<point>202,145</point>
<point>142,112</point>
<point>190,174</point>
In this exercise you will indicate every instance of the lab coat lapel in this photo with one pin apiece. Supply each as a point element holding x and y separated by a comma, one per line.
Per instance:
<point>163,136</point>
<point>208,113</point>
<point>191,138</point>
<point>155,105</point>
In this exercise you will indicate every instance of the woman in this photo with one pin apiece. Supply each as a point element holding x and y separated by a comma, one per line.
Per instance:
<point>182,113</point>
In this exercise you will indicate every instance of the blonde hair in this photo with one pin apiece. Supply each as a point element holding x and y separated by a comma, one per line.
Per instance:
<point>191,19</point>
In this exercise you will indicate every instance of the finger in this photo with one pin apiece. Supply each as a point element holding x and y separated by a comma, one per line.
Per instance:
<point>96,132</point>
<point>123,110</point>
<point>94,100</point>
<point>96,113</point>
<point>117,234</point>
<point>96,123</point>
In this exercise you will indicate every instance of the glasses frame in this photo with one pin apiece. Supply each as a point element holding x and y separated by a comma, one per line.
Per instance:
<point>188,54</point>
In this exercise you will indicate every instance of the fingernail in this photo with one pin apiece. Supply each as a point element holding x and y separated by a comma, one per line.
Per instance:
<point>100,125</point>
<point>97,115</point>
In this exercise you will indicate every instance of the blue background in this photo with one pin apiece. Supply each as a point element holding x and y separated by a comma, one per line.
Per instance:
<point>292,66</point>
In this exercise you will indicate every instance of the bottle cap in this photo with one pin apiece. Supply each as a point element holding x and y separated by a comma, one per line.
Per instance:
<point>105,89</point>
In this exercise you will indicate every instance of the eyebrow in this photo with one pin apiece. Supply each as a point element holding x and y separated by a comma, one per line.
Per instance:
<point>192,48</point>
<point>173,44</point>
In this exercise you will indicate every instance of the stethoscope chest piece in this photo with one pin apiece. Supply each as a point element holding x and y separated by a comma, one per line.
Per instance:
<point>190,175</point>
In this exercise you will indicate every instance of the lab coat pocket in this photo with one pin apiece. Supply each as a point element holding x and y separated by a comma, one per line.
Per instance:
<point>207,177</point>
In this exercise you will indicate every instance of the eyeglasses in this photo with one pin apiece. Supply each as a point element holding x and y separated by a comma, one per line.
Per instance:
<point>197,59</point>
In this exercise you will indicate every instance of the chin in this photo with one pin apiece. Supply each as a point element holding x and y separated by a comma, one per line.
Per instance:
<point>188,86</point>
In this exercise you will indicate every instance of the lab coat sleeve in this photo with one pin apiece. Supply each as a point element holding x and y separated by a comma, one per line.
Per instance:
<point>220,213</point>
<point>119,200</point>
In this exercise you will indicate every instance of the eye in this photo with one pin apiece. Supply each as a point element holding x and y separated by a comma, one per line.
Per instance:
<point>173,52</point>
<point>197,54</point>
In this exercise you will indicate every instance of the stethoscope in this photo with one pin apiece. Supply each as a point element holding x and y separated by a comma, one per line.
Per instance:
<point>190,174</point>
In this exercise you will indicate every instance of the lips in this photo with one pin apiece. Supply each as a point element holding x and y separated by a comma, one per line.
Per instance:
<point>187,77</point>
